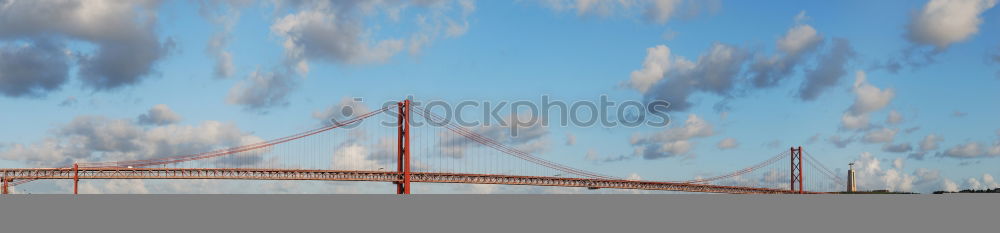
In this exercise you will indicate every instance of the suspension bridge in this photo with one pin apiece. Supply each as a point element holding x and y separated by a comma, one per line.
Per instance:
<point>353,150</point>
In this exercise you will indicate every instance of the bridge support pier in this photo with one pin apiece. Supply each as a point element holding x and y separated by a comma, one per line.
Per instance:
<point>76,178</point>
<point>5,185</point>
<point>403,148</point>
<point>796,172</point>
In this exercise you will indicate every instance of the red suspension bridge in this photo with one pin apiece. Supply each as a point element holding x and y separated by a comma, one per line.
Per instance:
<point>445,153</point>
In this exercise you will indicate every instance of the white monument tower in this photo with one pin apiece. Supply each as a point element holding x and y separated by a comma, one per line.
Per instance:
<point>851,183</point>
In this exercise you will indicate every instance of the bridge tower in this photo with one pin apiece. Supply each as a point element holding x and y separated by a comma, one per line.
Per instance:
<point>796,172</point>
<point>403,147</point>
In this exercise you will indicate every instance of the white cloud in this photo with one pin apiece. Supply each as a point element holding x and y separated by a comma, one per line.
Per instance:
<point>972,150</point>
<point>868,99</point>
<point>523,132</point>
<point>319,34</point>
<point>930,142</point>
<point>882,135</point>
<point>633,176</point>
<point>799,39</point>
<point>830,67</point>
<point>662,10</point>
<point>570,139</point>
<point>654,11</point>
<point>94,138</point>
<point>974,184</point>
<point>949,186</point>
<point>894,118</point>
<point>219,41</point>
<point>715,72</point>
<point>987,183</point>
<point>338,31</point>
<point>840,142</point>
<point>673,141</point>
<point>943,22</point>
<point>346,109</point>
<point>160,114</point>
<point>353,157</point>
<point>855,122</point>
<point>871,176</point>
<point>127,46</point>
<point>967,150</point>
<point>728,143</point>
<point>262,90</point>
<point>897,148</point>
<point>591,155</point>
<point>32,70</point>
<point>657,63</point>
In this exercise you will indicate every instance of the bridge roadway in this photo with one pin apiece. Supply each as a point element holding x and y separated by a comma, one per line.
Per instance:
<point>376,176</point>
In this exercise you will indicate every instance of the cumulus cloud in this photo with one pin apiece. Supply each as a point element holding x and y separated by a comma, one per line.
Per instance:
<point>68,102</point>
<point>799,41</point>
<point>972,150</point>
<point>96,138</point>
<point>943,22</point>
<point>160,114</point>
<point>591,155</point>
<point>850,121</point>
<point>894,118</point>
<point>654,11</point>
<point>346,109</point>
<point>657,63</point>
<point>337,31</point>
<point>720,71</point>
<point>115,187</point>
<point>882,135</point>
<point>897,148</point>
<point>225,15</point>
<point>995,58</point>
<point>570,139</point>
<point>813,139</point>
<point>868,99</point>
<point>529,136</point>
<point>314,34</point>
<point>840,142</point>
<point>127,45</point>
<point>672,142</point>
<point>831,67</point>
<point>676,79</point>
<point>872,176</point>
<point>32,70</point>
<point>262,90</point>
<point>949,186</point>
<point>728,143</point>
<point>360,154</point>
<point>930,142</point>
<point>987,183</point>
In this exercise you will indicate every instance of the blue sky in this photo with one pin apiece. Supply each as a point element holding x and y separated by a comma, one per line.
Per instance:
<point>520,50</point>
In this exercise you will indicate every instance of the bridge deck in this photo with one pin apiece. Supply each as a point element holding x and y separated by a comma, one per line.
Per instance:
<point>376,176</point>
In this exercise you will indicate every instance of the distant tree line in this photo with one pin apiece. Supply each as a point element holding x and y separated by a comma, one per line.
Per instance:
<point>996,190</point>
